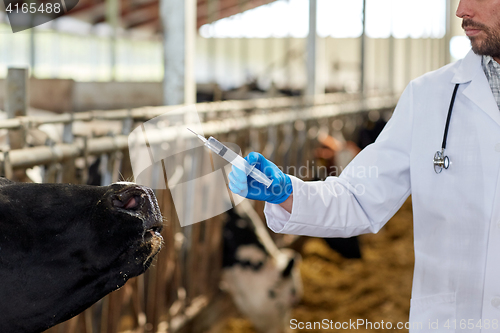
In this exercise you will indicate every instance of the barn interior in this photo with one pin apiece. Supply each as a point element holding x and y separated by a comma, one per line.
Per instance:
<point>307,83</point>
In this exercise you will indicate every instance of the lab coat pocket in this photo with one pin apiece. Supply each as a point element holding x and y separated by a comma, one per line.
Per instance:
<point>435,313</point>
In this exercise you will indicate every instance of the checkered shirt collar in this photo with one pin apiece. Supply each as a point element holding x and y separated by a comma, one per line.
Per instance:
<point>492,70</point>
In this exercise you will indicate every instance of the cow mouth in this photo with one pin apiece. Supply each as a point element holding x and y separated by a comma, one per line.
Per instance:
<point>152,234</point>
<point>155,241</point>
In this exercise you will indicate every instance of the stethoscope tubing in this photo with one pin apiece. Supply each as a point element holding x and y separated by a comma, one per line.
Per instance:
<point>448,118</point>
<point>440,159</point>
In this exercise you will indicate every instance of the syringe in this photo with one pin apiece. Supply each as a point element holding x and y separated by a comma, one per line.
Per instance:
<point>234,159</point>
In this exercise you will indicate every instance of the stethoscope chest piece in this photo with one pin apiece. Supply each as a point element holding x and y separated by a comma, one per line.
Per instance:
<point>441,161</point>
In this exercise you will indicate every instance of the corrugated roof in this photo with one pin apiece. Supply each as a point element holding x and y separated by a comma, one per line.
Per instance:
<point>145,13</point>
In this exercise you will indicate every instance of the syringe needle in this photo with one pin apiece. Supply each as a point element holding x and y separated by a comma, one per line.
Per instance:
<point>234,159</point>
<point>199,136</point>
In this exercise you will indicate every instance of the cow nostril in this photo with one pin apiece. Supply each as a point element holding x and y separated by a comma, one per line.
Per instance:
<point>130,203</point>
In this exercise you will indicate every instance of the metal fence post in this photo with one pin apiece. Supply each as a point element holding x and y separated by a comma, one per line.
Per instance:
<point>16,103</point>
<point>68,166</point>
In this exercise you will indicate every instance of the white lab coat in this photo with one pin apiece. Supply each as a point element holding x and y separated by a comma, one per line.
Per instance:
<point>456,213</point>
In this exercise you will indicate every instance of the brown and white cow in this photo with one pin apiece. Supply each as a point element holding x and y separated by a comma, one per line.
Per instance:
<point>264,282</point>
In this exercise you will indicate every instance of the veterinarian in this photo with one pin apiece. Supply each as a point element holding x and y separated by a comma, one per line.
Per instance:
<point>442,146</point>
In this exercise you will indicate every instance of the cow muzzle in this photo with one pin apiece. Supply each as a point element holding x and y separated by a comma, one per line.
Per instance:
<point>140,202</point>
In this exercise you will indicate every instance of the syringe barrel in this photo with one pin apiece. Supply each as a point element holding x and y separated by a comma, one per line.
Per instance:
<point>229,155</point>
<point>237,161</point>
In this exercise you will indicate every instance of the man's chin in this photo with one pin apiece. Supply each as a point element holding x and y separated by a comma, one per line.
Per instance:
<point>485,43</point>
<point>477,45</point>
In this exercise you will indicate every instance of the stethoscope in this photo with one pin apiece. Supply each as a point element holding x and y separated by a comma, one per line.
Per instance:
<point>440,159</point>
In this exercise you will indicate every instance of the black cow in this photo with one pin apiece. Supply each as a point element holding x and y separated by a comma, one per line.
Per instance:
<point>63,247</point>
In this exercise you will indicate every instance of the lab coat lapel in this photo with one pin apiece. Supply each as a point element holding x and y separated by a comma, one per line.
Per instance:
<point>478,90</point>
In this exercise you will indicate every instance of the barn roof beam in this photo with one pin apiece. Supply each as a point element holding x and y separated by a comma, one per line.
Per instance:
<point>93,11</point>
<point>225,8</point>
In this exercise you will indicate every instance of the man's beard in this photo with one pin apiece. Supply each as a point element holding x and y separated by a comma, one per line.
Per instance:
<point>490,44</point>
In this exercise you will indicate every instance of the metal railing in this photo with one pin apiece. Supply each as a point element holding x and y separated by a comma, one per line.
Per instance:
<point>217,118</point>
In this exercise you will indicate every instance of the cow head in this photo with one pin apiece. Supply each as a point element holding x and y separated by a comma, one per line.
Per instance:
<point>63,247</point>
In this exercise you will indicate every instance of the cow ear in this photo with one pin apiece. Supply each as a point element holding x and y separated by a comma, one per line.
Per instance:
<point>288,269</point>
<point>5,181</point>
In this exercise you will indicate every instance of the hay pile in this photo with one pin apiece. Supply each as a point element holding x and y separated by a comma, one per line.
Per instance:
<point>374,288</point>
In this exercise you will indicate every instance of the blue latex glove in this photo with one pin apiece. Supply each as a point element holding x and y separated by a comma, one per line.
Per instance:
<point>247,187</point>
